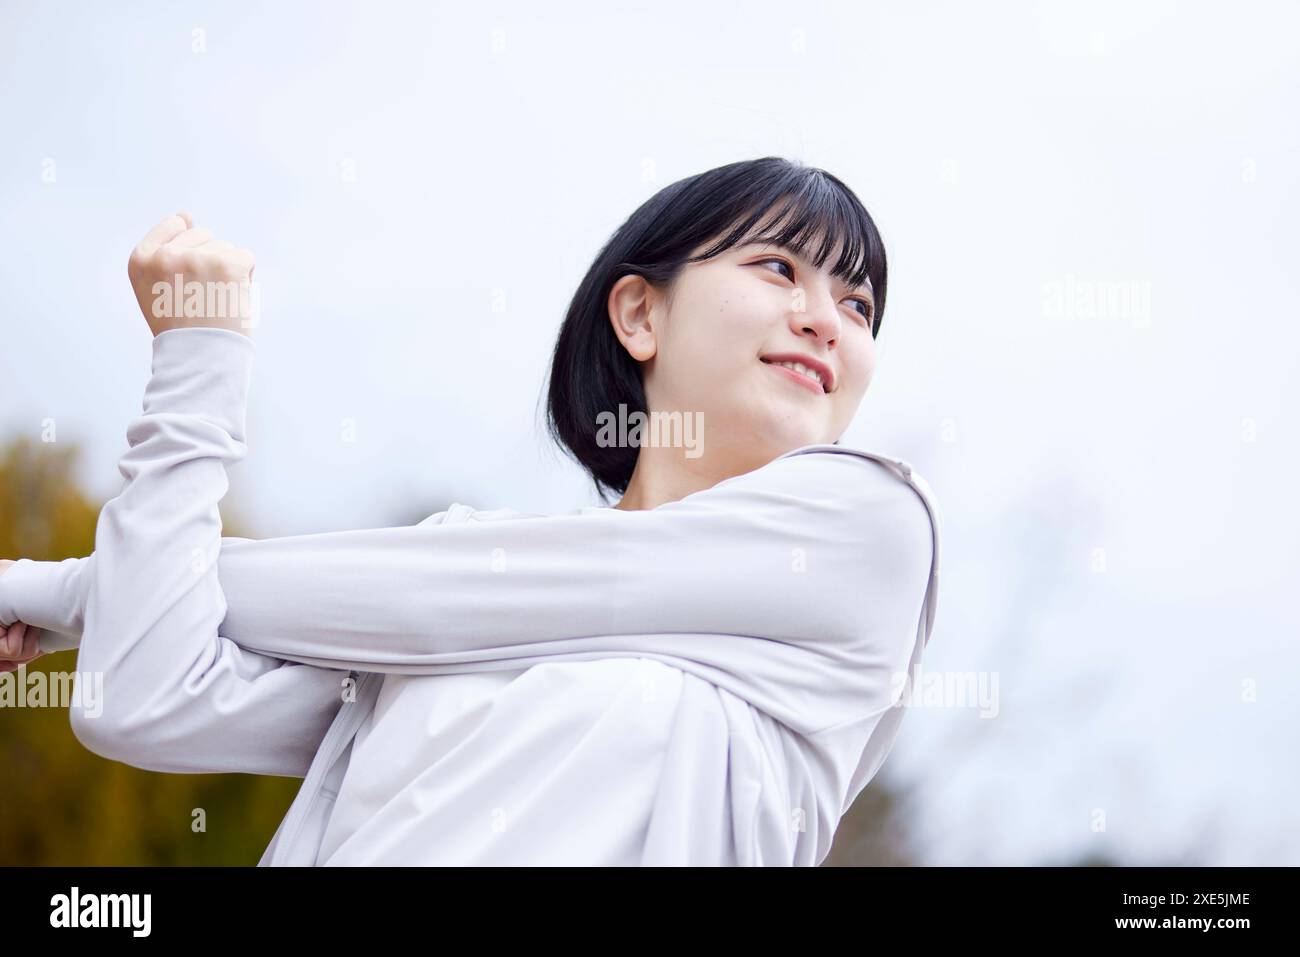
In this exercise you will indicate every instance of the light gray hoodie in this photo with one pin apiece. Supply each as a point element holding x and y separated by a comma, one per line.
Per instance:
<point>795,600</point>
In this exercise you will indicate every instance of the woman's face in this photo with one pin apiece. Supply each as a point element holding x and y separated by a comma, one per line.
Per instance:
<point>709,348</point>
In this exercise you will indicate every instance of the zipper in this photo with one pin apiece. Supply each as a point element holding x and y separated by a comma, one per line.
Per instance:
<point>339,733</point>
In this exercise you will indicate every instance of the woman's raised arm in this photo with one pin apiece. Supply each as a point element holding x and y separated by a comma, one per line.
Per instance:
<point>176,695</point>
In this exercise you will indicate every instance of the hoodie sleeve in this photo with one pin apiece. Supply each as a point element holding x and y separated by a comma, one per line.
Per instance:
<point>802,586</point>
<point>817,549</point>
<point>50,596</point>
<point>176,695</point>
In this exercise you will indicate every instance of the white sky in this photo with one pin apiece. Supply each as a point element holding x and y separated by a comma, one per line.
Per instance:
<point>1006,155</point>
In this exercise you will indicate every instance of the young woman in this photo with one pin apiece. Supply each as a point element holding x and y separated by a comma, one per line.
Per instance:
<point>708,672</point>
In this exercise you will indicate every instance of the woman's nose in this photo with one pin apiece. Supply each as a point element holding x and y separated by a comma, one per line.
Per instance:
<point>819,315</point>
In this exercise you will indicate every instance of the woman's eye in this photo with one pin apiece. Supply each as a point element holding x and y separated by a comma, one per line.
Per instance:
<point>866,309</point>
<point>779,262</point>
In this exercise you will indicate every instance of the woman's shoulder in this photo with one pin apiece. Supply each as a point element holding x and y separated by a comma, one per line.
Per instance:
<point>874,485</point>
<point>881,498</point>
<point>893,495</point>
<point>850,464</point>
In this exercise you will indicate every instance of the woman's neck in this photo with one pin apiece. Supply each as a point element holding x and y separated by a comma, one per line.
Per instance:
<point>665,475</point>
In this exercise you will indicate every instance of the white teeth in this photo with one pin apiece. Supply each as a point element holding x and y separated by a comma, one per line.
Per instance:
<point>802,370</point>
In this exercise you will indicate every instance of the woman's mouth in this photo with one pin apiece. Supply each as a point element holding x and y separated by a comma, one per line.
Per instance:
<point>798,373</point>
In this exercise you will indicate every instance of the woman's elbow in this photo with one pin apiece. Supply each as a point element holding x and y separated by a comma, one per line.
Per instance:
<point>102,733</point>
<point>123,734</point>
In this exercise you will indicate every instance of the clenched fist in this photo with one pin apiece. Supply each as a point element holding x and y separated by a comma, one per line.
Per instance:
<point>183,276</point>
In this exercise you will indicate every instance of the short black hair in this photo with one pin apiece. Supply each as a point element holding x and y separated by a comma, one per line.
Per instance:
<point>591,372</point>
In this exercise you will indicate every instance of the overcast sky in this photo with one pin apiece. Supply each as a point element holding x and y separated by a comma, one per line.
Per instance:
<point>1090,343</point>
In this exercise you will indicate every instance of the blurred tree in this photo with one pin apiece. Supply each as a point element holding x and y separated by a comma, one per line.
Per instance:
<point>873,833</point>
<point>43,515</point>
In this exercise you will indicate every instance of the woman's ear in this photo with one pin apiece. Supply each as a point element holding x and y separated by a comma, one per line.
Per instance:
<point>632,306</point>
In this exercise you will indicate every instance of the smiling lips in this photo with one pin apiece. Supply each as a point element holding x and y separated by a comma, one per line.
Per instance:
<point>806,371</point>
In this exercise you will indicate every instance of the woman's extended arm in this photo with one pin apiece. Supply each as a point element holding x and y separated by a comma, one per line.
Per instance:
<point>799,585</point>
<point>152,602</point>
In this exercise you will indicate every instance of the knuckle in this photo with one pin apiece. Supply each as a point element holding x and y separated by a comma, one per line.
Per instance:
<point>230,268</point>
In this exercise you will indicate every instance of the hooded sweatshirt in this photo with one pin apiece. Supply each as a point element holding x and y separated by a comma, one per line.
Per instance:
<point>712,681</point>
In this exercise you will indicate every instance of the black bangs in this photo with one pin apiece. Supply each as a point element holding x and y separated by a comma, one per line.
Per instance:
<point>815,214</point>
<point>803,209</point>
